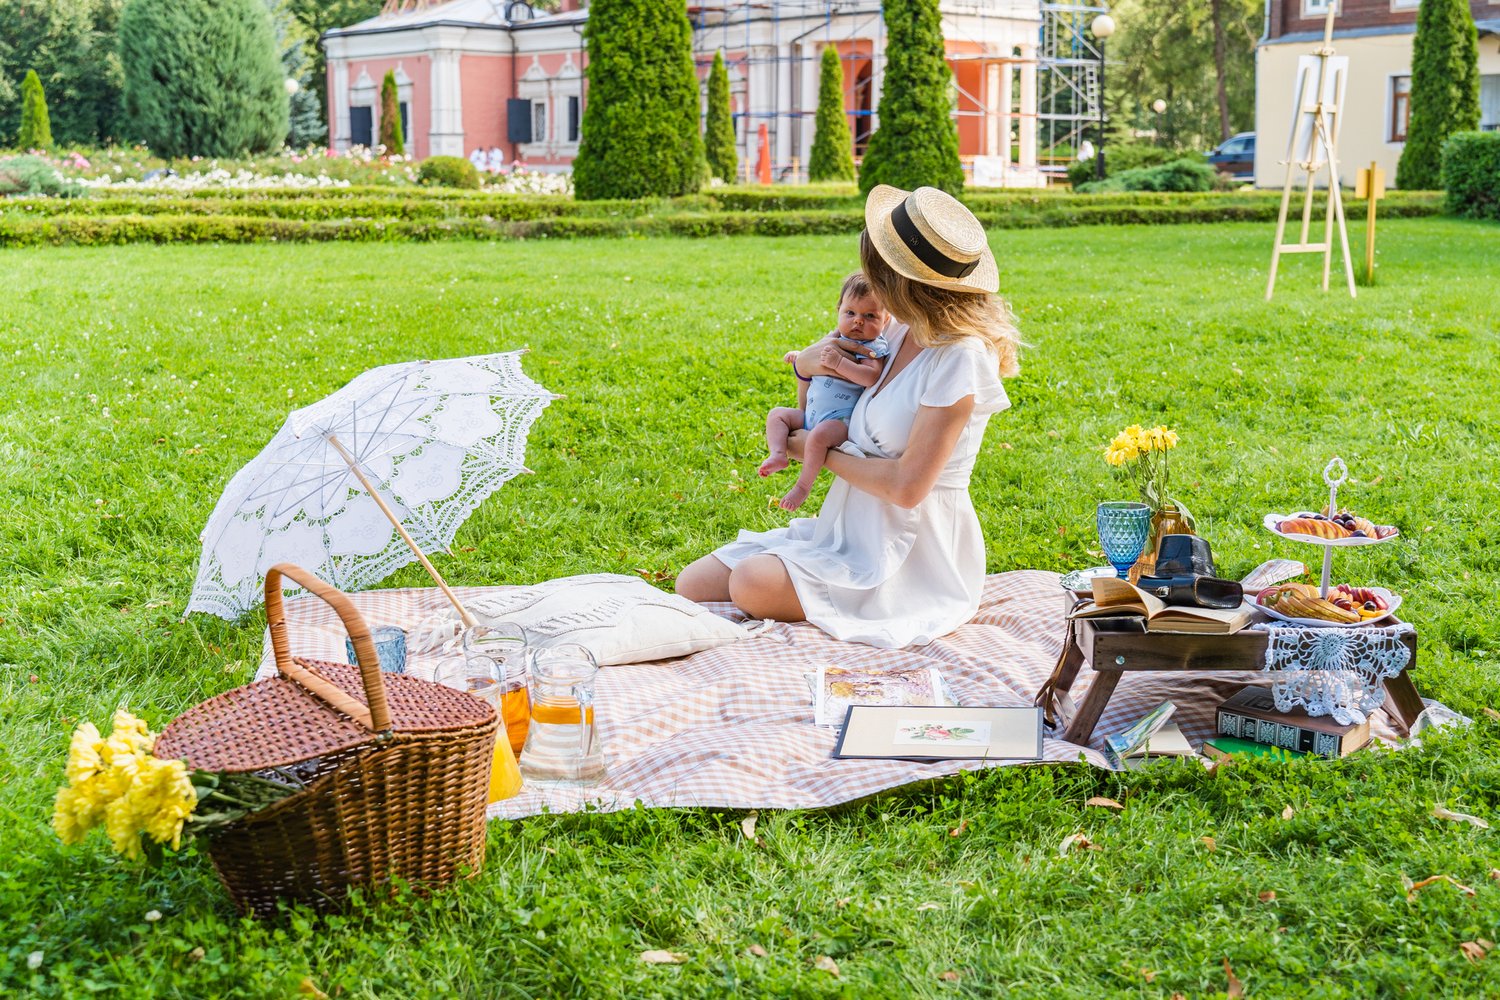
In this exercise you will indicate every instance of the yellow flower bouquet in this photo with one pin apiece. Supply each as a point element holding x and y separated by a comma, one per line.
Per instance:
<point>1141,453</point>
<point>143,800</point>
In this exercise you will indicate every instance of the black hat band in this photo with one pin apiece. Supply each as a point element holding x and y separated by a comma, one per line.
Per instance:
<point>925,251</point>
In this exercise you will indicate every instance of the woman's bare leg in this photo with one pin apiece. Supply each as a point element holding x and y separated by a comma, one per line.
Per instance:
<point>828,434</point>
<point>761,587</point>
<point>705,579</point>
<point>780,423</point>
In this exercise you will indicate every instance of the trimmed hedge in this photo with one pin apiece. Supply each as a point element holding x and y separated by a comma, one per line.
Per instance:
<point>1471,174</point>
<point>1178,175</point>
<point>448,171</point>
<point>35,229</point>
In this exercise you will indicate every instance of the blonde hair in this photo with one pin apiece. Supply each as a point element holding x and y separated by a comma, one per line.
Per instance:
<point>938,316</point>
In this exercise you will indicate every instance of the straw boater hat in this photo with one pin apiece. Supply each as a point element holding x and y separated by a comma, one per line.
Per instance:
<point>929,236</point>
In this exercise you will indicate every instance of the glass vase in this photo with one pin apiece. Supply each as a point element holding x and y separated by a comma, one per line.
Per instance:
<point>1169,519</point>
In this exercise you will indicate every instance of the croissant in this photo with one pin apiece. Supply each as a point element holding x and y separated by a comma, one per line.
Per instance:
<point>1309,526</point>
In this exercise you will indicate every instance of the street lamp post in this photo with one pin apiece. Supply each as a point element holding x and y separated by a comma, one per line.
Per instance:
<point>1101,27</point>
<point>1160,107</point>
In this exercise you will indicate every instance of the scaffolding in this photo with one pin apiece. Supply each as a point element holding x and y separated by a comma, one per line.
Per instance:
<point>1028,103</point>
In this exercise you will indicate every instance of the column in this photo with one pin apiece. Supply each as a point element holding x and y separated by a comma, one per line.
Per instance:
<point>808,99</point>
<point>1006,100</point>
<point>446,133</point>
<point>1028,108</point>
<point>992,109</point>
<point>783,125</point>
<point>338,97</point>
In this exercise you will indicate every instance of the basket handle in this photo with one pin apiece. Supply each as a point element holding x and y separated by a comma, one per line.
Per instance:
<point>376,718</point>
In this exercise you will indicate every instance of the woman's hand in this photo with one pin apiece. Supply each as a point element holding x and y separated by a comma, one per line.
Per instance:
<point>794,443</point>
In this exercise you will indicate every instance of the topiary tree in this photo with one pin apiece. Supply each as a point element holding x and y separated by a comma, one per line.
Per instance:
<point>36,129</point>
<point>718,132</point>
<point>917,142</point>
<point>832,156</point>
<point>1444,89</point>
<point>202,77</point>
<point>392,135</point>
<point>640,123</point>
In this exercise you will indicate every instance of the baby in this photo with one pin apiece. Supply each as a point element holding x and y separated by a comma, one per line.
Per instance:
<point>856,350</point>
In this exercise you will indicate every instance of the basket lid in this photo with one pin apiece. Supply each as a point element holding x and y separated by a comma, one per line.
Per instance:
<point>276,722</point>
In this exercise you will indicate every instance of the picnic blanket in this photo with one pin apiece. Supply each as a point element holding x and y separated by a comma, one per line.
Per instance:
<point>732,727</point>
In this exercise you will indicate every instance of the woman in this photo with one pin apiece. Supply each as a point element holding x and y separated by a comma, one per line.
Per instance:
<point>895,557</point>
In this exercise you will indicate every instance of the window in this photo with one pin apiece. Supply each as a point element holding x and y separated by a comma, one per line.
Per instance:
<point>405,126</point>
<point>1405,4</point>
<point>538,121</point>
<point>1400,109</point>
<point>1314,8</point>
<point>361,126</point>
<point>1489,102</point>
<point>573,122</point>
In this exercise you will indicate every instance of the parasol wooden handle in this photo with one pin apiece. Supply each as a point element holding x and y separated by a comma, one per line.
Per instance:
<point>376,718</point>
<point>463,613</point>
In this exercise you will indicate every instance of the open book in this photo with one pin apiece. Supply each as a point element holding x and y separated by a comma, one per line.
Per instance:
<point>1113,596</point>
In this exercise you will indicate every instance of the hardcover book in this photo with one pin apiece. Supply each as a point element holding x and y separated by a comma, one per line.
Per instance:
<point>1251,714</point>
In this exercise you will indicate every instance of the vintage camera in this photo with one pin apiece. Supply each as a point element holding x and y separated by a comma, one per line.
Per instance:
<point>1185,574</point>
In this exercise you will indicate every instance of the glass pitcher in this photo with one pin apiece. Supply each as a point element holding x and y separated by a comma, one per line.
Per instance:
<point>495,668</point>
<point>494,671</point>
<point>562,743</point>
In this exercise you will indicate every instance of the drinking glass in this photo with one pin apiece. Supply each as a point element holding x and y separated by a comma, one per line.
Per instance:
<point>390,647</point>
<point>495,669</point>
<point>562,744</point>
<point>1123,527</point>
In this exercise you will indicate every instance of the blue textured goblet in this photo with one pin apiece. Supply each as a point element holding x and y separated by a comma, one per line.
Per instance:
<point>1123,527</point>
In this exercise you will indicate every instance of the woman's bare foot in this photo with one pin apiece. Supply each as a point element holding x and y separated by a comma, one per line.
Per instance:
<point>774,464</point>
<point>794,497</point>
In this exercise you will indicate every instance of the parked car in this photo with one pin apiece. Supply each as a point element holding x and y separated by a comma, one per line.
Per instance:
<point>1235,156</point>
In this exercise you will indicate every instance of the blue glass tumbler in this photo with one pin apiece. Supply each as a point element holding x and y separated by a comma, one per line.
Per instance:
<point>1123,528</point>
<point>390,646</point>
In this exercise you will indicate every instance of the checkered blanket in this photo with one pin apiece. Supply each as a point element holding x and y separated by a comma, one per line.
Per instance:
<point>733,727</point>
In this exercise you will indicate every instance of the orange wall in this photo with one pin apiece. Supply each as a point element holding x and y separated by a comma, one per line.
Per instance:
<point>486,88</point>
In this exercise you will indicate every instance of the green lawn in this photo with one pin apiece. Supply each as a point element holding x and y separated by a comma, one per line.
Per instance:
<point>140,378</point>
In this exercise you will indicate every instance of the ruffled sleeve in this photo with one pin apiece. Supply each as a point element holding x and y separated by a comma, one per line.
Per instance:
<point>965,368</point>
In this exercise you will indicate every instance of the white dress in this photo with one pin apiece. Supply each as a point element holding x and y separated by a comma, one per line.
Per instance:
<point>867,570</point>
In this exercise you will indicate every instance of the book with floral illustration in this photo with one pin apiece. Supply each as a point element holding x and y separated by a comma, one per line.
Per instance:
<point>835,687</point>
<point>940,732</point>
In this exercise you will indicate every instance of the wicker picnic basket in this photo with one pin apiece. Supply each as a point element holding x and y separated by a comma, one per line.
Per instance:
<point>396,770</point>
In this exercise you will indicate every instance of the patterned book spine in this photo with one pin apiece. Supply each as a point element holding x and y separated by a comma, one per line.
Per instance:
<point>1279,734</point>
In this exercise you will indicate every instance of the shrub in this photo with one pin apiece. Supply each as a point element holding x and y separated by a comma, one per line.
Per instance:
<point>1120,158</point>
<point>202,77</point>
<point>1471,174</point>
<point>392,135</point>
<point>1444,89</point>
<point>1185,174</point>
<point>32,175</point>
<point>718,132</point>
<point>448,171</point>
<point>917,142</point>
<point>36,130</point>
<point>832,156</point>
<point>640,125</point>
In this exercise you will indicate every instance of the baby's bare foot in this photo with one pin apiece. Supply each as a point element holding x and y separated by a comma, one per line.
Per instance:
<point>773,465</point>
<point>794,498</point>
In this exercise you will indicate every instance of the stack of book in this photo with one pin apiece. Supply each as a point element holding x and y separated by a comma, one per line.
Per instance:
<point>1250,714</point>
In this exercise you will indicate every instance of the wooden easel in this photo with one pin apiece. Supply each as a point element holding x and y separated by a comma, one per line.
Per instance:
<point>1313,144</point>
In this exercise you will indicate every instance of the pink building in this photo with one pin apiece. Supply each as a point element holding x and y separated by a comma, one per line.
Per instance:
<point>481,74</point>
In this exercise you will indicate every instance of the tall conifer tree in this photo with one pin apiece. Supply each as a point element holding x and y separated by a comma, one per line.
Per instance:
<point>641,116</point>
<point>392,135</point>
<point>36,129</point>
<point>916,142</point>
<point>1444,89</point>
<point>832,152</point>
<point>718,133</point>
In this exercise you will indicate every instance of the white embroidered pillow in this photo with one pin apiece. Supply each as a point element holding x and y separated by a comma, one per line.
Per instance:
<point>620,619</point>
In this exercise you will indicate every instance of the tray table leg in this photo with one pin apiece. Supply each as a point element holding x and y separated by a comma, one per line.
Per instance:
<point>1081,729</point>
<point>1403,704</point>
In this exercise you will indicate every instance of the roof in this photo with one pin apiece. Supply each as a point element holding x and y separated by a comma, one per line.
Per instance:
<point>462,13</point>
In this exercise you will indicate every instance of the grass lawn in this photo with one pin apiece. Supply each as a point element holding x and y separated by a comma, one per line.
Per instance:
<point>140,378</point>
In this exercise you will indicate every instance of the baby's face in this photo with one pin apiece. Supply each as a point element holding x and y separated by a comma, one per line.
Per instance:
<point>861,317</point>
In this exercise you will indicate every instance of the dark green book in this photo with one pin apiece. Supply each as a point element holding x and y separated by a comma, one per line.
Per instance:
<point>1223,746</point>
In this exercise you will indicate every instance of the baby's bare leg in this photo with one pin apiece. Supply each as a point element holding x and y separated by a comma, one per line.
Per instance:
<point>780,423</point>
<point>828,434</point>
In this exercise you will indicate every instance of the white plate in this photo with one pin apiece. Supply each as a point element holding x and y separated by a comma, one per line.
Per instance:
<point>1393,600</point>
<point>1272,520</point>
<point>1080,581</point>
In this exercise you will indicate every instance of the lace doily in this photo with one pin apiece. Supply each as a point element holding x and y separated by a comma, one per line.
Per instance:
<point>1339,672</point>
